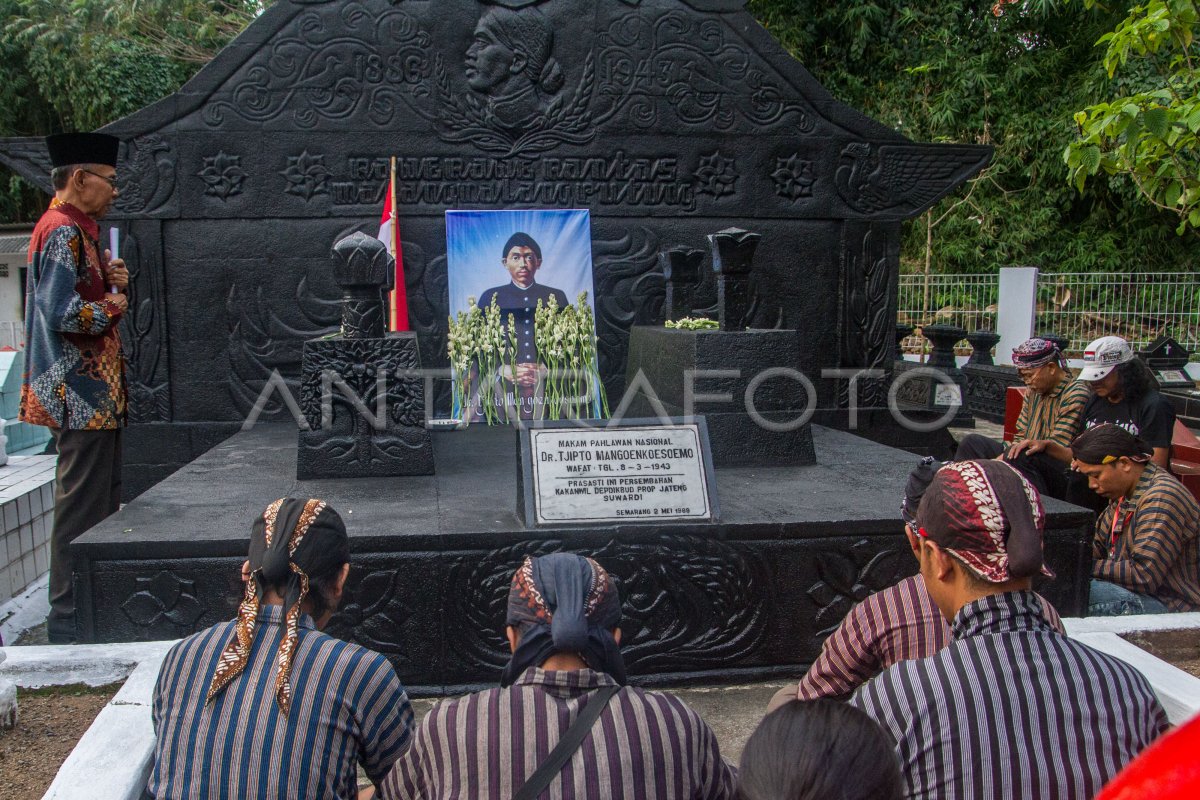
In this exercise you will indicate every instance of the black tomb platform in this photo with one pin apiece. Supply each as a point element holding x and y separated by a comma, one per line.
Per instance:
<point>748,596</point>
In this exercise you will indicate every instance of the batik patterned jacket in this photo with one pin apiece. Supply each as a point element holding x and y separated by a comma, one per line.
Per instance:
<point>74,370</point>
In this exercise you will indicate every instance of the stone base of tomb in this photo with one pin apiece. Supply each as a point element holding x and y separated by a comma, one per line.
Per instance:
<point>750,596</point>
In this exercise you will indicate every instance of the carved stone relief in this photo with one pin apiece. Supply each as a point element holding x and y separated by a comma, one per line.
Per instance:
<point>868,307</point>
<point>688,602</point>
<point>306,175</point>
<point>847,578</point>
<point>222,175</point>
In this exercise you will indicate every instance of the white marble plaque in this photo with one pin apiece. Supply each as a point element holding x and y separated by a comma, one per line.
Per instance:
<point>643,474</point>
<point>946,395</point>
<point>1172,376</point>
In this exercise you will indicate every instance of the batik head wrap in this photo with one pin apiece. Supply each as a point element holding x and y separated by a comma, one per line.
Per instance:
<point>291,540</point>
<point>988,517</point>
<point>564,603</point>
<point>1033,353</point>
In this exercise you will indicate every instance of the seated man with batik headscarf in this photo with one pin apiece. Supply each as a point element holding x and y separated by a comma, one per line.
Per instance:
<point>562,724</point>
<point>267,706</point>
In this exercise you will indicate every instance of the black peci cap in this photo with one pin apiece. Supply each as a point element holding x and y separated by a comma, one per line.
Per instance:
<point>82,148</point>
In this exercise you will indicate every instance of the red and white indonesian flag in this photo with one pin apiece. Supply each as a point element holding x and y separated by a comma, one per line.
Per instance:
<point>389,234</point>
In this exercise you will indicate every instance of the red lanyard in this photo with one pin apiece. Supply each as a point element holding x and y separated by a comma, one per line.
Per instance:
<point>1120,520</point>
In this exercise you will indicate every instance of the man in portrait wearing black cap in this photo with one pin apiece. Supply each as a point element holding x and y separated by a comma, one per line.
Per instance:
<point>522,257</point>
<point>562,723</point>
<point>74,382</point>
<point>1011,707</point>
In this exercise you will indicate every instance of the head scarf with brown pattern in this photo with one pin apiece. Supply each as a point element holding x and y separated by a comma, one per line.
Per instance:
<point>291,540</point>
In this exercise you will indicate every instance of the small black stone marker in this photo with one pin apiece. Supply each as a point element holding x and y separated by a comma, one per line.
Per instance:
<point>903,331</point>
<point>1168,359</point>
<point>733,261</point>
<point>1063,342</point>
<point>365,272</point>
<point>982,343</point>
<point>943,338</point>
<point>681,271</point>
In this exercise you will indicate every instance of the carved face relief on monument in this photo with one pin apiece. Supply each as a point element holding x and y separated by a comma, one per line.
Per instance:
<point>511,61</point>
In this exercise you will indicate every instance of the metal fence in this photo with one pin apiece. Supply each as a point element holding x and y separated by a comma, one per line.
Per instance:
<point>1081,306</point>
<point>1137,307</point>
<point>968,301</point>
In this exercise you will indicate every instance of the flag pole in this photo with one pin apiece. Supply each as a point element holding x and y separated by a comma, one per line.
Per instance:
<point>393,315</point>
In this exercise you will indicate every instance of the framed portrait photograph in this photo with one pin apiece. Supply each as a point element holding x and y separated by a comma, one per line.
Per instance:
<point>522,315</point>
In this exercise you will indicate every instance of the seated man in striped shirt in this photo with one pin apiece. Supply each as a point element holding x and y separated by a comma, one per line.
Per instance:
<point>266,706</point>
<point>1051,416</point>
<point>1011,708</point>
<point>899,623</point>
<point>563,612</point>
<point>1146,540</point>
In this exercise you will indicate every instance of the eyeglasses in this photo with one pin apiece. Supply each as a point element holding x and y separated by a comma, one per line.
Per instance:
<point>111,181</point>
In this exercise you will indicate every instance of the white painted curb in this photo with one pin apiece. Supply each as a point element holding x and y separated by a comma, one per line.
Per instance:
<point>113,759</point>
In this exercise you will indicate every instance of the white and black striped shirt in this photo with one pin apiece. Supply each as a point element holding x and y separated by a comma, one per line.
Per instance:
<point>1012,708</point>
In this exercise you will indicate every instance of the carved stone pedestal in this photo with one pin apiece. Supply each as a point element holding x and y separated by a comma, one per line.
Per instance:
<point>361,392</point>
<point>371,438</point>
<point>918,386</point>
<point>987,382</point>
<point>713,371</point>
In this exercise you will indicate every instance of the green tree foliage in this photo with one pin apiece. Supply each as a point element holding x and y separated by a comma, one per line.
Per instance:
<point>1150,130</point>
<point>1008,74</point>
<point>76,65</point>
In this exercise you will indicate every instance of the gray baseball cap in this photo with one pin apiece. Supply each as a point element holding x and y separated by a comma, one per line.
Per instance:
<point>1102,355</point>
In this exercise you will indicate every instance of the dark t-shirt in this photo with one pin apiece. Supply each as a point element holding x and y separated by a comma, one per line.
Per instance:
<point>1152,417</point>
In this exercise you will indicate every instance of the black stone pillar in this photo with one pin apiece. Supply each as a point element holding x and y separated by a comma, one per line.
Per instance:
<point>361,392</point>
<point>733,262</point>
<point>1063,342</point>
<point>681,272</point>
<point>982,343</point>
<point>918,388</point>
<point>943,338</point>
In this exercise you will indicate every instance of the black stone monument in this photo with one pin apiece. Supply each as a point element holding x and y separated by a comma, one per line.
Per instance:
<point>668,119</point>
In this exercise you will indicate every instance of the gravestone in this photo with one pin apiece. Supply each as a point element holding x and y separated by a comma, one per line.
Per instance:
<point>1168,360</point>
<point>668,119</point>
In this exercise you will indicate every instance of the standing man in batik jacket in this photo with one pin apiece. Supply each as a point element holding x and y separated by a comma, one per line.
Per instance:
<point>74,381</point>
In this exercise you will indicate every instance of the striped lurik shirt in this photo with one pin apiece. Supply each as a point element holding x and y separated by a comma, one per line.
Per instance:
<point>1156,552</point>
<point>486,745</point>
<point>899,623</point>
<point>1012,709</point>
<point>1057,416</point>
<point>347,708</point>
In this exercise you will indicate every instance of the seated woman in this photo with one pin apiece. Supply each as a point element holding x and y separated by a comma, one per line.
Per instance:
<point>816,750</point>
<point>1145,544</point>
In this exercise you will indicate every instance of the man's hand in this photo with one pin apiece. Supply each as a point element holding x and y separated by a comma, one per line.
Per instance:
<point>528,374</point>
<point>118,300</point>
<point>115,273</point>
<point>1030,446</point>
